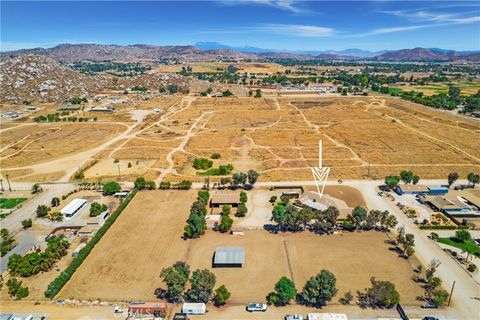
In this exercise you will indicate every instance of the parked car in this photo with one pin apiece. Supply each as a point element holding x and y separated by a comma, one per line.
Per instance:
<point>381,193</point>
<point>430,318</point>
<point>251,307</point>
<point>293,317</point>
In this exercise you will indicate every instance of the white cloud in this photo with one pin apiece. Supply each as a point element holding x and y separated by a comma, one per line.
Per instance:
<point>298,30</point>
<point>286,5</point>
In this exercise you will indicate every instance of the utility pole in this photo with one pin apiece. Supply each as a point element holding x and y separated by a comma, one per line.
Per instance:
<point>118,166</point>
<point>451,292</point>
<point>9,186</point>
<point>1,183</point>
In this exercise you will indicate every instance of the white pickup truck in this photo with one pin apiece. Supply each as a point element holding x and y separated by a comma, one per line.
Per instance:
<point>251,307</point>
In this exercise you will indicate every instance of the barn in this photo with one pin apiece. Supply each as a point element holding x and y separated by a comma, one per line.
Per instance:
<point>229,257</point>
<point>73,207</point>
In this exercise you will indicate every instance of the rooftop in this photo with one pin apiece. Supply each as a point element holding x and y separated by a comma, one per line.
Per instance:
<point>73,206</point>
<point>229,255</point>
<point>413,188</point>
<point>225,198</point>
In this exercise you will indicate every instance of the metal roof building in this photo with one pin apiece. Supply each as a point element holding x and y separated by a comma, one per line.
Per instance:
<point>73,207</point>
<point>229,257</point>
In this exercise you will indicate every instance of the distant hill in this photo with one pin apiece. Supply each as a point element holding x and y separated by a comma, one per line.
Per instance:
<point>422,54</point>
<point>208,51</point>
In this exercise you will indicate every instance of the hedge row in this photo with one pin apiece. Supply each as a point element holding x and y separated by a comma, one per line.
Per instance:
<point>432,227</point>
<point>56,285</point>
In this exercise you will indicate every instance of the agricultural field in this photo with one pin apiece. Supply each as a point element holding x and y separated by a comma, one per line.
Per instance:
<point>242,67</point>
<point>363,137</point>
<point>152,225</point>
<point>9,203</point>
<point>467,87</point>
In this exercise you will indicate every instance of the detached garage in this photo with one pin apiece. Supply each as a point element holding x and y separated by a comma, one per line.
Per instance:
<point>229,257</point>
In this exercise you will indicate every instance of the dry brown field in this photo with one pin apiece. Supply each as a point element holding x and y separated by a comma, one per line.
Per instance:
<point>250,67</point>
<point>277,136</point>
<point>32,144</point>
<point>126,264</point>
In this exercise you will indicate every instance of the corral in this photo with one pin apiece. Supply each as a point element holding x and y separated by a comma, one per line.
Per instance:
<point>152,225</point>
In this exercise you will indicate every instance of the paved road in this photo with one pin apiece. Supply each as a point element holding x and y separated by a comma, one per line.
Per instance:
<point>464,299</point>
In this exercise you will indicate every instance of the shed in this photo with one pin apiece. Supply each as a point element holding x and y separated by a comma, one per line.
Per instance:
<point>221,199</point>
<point>225,257</point>
<point>405,189</point>
<point>327,316</point>
<point>78,248</point>
<point>147,308</point>
<point>73,207</point>
<point>237,231</point>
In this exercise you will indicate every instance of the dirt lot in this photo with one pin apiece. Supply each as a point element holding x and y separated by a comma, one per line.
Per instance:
<point>151,226</point>
<point>144,239</point>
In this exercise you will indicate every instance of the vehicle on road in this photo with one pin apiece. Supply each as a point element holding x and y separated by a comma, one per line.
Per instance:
<point>381,193</point>
<point>251,307</point>
<point>293,317</point>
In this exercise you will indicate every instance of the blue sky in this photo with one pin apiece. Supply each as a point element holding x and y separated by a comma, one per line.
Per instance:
<point>274,24</point>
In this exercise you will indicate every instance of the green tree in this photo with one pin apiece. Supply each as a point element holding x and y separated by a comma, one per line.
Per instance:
<point>409,252</point>
<point>140,183</point>
<point>452,177</point>
<point>406,176</point>
<point>202,283</point>
<point>36,188</point>
<point>252,176</point>
<point>473,178</point>
<point>27,223</point>
<point>415,179</point>
<point>196,226</point>
<point>440,297</point>
<point>239,178</point>
<point>320,289</point>
<point>225,223</point>
<point>462,235</point>
<point>15,289</point>
<point>241,210</point>
<point>392,181</point>
<point>55,202</point>
<point>202,163</point>
<point>175,277</point>
<point>111,187</point>
<point>42,211</point>
<point>381,294</point>
<point>243,197</point>
<point>97,208</point>
<point>221,296</point>
<point>284,292</point>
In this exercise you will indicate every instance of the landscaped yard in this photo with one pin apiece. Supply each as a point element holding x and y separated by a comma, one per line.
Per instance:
<point>467,246</point>
<point>9,203</point>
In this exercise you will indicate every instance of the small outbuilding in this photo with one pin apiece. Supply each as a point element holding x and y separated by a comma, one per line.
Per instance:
<point>229,257</point>
<point>237,231</point>
<point>411,189</point>
<point>221,199</point>
<point>73,207</point>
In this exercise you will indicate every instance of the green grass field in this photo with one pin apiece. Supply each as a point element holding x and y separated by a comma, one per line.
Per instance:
<point>467,246</point>
<point>9,203</point>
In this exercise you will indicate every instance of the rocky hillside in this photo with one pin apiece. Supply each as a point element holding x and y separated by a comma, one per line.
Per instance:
<point>40,78</point>
<point>97,52</point>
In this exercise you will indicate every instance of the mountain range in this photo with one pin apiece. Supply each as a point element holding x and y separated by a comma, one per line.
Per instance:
<point>208,51</point>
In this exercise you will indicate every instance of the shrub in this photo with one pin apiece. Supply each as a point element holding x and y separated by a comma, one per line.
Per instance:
<point>56,285</point>
<point>111,187</point>
<point>221,296</point>
<point>202,163</point>
<point>472,267</point>
<point>27,223</point>
<point>241,210</point>
<point>164,185</point>
<point>96,209</point>
<point>215,155</point>
<point>243,197</point>
<point>15,289</point>
<point>273,199</point>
